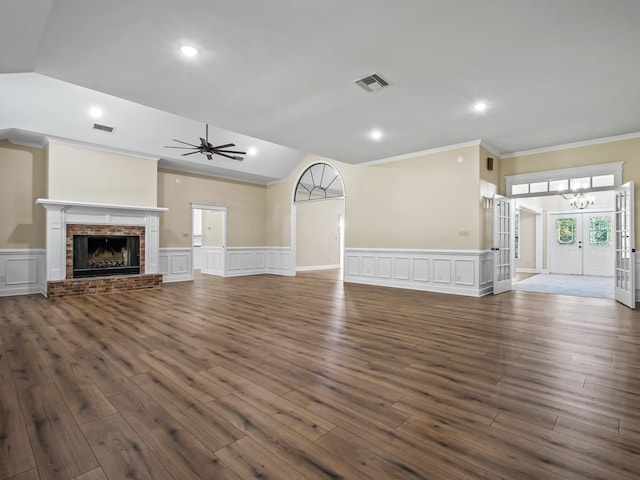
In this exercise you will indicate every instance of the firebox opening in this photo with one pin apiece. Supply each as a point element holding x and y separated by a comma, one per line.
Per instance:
<point>101,255</point>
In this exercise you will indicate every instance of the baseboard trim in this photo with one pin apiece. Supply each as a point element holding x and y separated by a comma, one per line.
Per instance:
<point>317,267</point>
<point>528,270</point>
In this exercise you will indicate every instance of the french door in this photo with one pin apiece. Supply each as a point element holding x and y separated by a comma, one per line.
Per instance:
<point>502,244</point>
<point>625,246</point>
<point>582,243</point>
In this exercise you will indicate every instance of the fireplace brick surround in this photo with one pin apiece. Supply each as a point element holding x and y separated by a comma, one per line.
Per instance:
<point>101,230</point>
<point>68,218</point>
<point>91,285</point>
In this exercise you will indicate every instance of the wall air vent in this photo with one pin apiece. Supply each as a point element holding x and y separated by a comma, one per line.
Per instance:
<point>103,128</point>
<point>372,83</point>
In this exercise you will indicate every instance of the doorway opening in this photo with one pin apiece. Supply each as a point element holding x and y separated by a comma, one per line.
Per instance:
<point>564,250</point>
<point>565,240</point>
<point>209,238</point>
<point>318,222</point>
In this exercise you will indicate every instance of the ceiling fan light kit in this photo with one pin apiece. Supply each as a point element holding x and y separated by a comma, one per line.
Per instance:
<point>207,149</point>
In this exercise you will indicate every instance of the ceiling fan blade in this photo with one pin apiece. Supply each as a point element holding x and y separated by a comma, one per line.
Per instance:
<point>185,148</point>
<point>190,153</point>
<point>180,141</point>
<point>224,146</point>
<point>232,157</point>
<point>229,151</point>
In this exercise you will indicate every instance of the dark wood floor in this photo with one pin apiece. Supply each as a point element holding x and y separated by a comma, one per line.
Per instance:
<point>270,377</point>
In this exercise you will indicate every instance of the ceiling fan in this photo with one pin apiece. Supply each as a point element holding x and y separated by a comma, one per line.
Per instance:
<point>208,149</point>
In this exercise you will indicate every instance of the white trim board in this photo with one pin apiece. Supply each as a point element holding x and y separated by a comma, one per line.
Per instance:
<point>317,267</point>
<point>430,151</point>
<point>566,146</point>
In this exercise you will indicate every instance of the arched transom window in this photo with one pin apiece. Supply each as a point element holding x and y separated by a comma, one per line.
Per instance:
<point>318,182</point>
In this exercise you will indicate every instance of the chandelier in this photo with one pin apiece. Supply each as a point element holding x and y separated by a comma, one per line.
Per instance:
<point>578,200</point>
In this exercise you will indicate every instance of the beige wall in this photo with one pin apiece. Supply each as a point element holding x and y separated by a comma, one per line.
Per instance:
<point>527,240</point>
<point>246,214</point>
<point>318,233</point>
<point>489,186</point>
<point>22,181</point>
<point>428,202</point>
<point>94,176</point>
<point>627,151</point>
<point>212,228</point>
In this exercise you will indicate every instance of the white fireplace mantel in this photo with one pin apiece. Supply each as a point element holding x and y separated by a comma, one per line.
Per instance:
<point>62,212</point>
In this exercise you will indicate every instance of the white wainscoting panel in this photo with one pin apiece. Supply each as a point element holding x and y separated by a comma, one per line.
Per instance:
<point>176,264</point>
<point>197,257</point>
<point>258,260</point>
<point>442,270</point>
<point>461,272</point>
<point>401,268</point>
<point>211,260</point>
<point>22,271</point>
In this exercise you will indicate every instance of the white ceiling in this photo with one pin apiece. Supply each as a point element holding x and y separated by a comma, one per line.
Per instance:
<point>552,72</point>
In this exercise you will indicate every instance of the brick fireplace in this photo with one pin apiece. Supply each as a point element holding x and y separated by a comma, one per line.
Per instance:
<point>100,231</point>
<point>110,224</point>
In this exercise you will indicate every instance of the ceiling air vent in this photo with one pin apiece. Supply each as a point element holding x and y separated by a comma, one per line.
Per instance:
<point>103,128</point>
<point>372,83</point>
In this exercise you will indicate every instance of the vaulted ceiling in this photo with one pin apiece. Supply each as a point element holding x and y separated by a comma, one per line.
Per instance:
<point>279,75</point>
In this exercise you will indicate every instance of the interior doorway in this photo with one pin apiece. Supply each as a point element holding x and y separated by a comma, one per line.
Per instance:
<point>571,250</point>
<point>209,238</point>
<point>318,220</point>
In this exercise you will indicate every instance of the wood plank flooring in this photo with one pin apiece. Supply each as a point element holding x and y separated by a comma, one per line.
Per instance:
<point>269,377</point>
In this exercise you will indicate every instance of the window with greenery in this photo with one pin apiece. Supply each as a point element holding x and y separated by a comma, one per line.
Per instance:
<point>565,231</point>
<point>600,231</point>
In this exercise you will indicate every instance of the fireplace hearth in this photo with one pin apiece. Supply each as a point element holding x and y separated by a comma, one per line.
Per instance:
<point>105,255</point>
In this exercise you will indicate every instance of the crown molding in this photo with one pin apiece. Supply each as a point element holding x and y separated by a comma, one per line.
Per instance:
<point>493,150</point>
<point>431,151</point>
<point>566,146</point>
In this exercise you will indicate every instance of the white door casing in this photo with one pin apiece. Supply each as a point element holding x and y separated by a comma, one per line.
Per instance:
<point>625,291</point>
<point>502,244</point>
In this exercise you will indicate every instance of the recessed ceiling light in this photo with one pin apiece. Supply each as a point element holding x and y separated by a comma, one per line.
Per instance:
<point>480,106</point>
<point>375,135</point>
<point>189,51</point>
<point>95,112</point>
<point>252,151</point>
